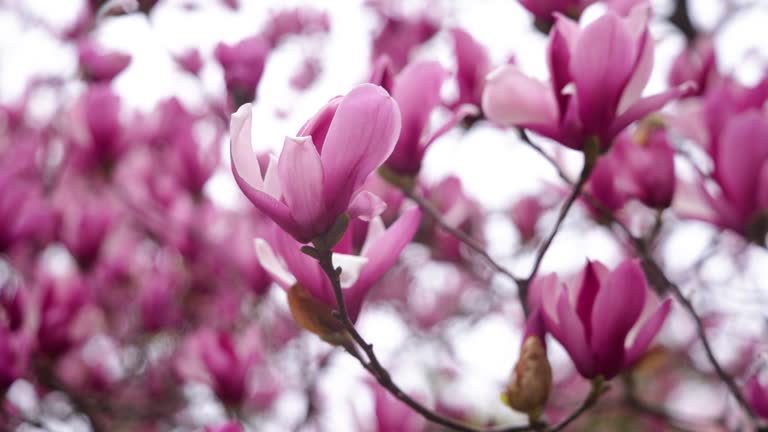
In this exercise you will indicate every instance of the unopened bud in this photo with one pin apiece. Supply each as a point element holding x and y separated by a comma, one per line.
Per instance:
<point>528,388</point>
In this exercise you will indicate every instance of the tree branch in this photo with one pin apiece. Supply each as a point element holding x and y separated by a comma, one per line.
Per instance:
<point>460,235</point>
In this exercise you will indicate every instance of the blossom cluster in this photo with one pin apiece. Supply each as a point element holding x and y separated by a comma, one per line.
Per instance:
<point>134,297</point>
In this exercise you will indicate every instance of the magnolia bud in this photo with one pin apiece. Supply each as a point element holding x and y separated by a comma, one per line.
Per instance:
<point>528,388</point>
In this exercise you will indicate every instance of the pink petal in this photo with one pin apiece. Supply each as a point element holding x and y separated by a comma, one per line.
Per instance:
<point>590,286</point>
<point>617,307</point>
<point>742,153</point>
<point>641,75</point>
<point>462,112</point>
<point>647,332</point>
<point>317,126</point>
<point>360,138</point>
<point>513,99</point>
<point>301,180</point>
<point>472,65</point>
<point>757,396</point>
<point>543,293</point>
<point>562,39</point>
<point>244,159</point>
<point>647,105</point>
<point>572,337</point>
<point>366,206</point>
<point>417,92</point>
<point>382,255</point>
<point>602,64</point>
<point>272,264</point>
<point>382,74</point>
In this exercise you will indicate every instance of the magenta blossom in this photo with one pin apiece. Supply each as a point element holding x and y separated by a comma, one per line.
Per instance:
<point>605,320</point>
<point>282,258</point>
<point>639,166</point>
<point>757,395</point>
<point>190,61</point>
<point>400,36</point>
<point>417,92</point>
<point>597,75</point>
<point>233,366</point>
<point>740,202</point>
<point>100,64</point>
<point>472,66</point>
<point>243,65</point>
<point>525,215</point>
<point>544,10</point>
<point>319,174</point>
<point>697,63</point>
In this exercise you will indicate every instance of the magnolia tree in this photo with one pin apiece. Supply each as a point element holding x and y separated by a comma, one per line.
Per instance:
<point>370,218</point>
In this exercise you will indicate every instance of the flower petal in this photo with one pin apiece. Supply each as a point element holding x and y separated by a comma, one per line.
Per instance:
<point>301,180</point>
<point>647,332</point>
<point>366,206</point>
<point>513,99</point>
<point>647,105</point>
<point>382,255</point>
<point>603,61</point>
<point>617,307</point>
<point>351,266</point>
<point>417,92</point>
<point>360,138</point>
<point>572,337</point>
<point>743,150</point>
<point>272,264</point>
<point>244,160</point>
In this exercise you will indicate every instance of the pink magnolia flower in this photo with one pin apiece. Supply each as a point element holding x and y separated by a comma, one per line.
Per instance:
<point>319,174</point>
<point>282,258</point>
<point>472,66</point>
<point>597,75</point>
<point>544,10</point>
<point>15,339</point>
<point>243,65</point>
<point>97,135</point>
<point>740,200</point>
<point>757,395</point>
<point>26,216</point>
<point>525,215</point>
<point>233,366</point>
<point>61,306</point>
<point>401,35</point>
<point>697,63</point>
<point>100,64</point>
<point>639,166</point>
<point>605,320</point>
<point>417,93</point>
<point>190,61</point>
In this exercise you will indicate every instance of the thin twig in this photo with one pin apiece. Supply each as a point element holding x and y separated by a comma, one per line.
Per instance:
<point>460,235</point>
<point>576,190</point>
